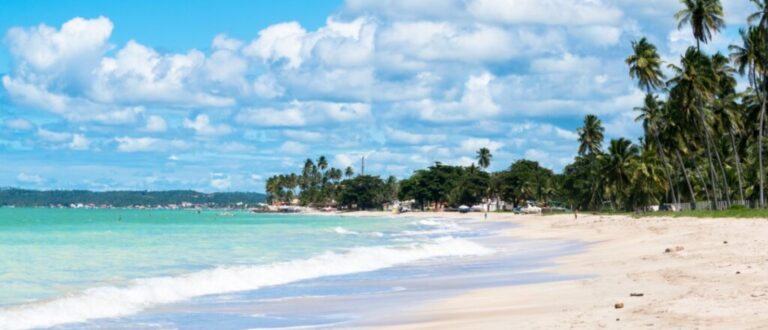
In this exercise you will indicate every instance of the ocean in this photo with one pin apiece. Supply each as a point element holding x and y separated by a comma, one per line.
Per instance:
<point>180,269</point>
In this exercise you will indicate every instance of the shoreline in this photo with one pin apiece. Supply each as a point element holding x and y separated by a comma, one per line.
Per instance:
<point>713,277</point>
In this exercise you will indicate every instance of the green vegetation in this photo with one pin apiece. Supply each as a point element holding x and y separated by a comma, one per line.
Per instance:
<point>37,198</point>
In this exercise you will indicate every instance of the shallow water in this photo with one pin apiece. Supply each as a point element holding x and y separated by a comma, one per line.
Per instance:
<point>129,269</point>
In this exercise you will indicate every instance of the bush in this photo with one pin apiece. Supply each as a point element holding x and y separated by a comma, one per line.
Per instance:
<point>737,207</point>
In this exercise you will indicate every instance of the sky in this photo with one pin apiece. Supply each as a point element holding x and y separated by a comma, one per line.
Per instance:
<point>220,95</point>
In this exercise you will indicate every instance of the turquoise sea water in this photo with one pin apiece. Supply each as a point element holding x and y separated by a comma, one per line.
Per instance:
<point>107,269</point>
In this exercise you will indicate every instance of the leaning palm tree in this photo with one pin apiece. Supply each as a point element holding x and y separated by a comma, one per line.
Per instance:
<point>484,158</point>
<point>645,65</point>
<point>591,135</point>
<point>704,16</point>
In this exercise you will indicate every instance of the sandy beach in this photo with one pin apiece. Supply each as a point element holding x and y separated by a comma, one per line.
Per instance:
<point>687,273</point>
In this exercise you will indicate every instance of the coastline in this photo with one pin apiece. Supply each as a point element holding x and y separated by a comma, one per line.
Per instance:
<point>714,276</point>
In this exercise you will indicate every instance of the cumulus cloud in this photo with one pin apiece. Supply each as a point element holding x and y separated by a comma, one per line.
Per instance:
<point>155,124</point>
<point>79,142</point>
<point>293,148</point>
<point>476,103</point>
<point>202,126</point>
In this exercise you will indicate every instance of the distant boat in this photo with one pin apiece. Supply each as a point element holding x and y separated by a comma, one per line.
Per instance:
<point>227,214</point>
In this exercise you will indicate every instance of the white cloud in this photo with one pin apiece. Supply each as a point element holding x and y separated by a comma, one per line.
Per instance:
<point>220,181</point>
<point>155,124</point>
<point>472,145</point>
<point>279,42</point>
<point>52,136</point>
<point>476,103</point>
<point>269,117</point>
<point>46,48</point>
<point>404,137</point>
<point>29,178</point>
<point>203,127</point>
<point>552,12</point>
<point>79,142</point>
<point>293,148</point>
<point>148,144</point>
<point>18,124</point>
<point>303,135</point>
<point>568,63</point>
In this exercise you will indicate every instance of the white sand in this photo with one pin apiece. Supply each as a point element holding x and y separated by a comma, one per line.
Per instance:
<point>695,288</point>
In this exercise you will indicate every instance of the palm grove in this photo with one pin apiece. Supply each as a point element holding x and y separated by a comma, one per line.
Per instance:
<point>703,141</point>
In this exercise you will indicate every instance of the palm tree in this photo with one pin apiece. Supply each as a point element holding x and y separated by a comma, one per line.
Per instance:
<point>704,16</point>
<point>322,163</point>
<point>590,135</point>
<point>761,15</point>
<point>349,172</point>
<point>694,86</point>
<point>621,155</point>
<point>750,59</point>
<point>726,111</point>
<point>645,65</point>
<point>650,115</point>
<point>484,158</point>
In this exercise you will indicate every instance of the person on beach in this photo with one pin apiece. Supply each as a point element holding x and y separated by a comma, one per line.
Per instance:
<point>575,214</point>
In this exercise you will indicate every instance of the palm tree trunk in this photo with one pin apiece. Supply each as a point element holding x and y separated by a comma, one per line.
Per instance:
<point>738,164</point>
<point>664,165</point>
<point>725,174</point>
<point>712,173</point>
<point>701,178</point>
<point>687,180</point>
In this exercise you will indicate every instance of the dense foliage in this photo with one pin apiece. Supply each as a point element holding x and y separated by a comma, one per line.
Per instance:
<point>36,198</point>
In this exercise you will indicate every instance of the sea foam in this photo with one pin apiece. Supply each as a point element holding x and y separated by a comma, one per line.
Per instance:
<point>141,294</point>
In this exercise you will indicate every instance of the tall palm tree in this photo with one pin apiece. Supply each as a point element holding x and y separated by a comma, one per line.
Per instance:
<point>591,135</point>
<point>484,158</point>
<point>727,118</point>
<point>694,86</point>
<point>645,65</point>
<point>651,116</point>
<point>750,59</point>
<point>704,16</point>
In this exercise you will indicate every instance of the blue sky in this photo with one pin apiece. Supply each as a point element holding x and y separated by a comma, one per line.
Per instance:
<point>219,95</point>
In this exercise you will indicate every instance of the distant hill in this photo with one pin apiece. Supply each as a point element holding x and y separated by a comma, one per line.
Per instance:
<point>32,198</point>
